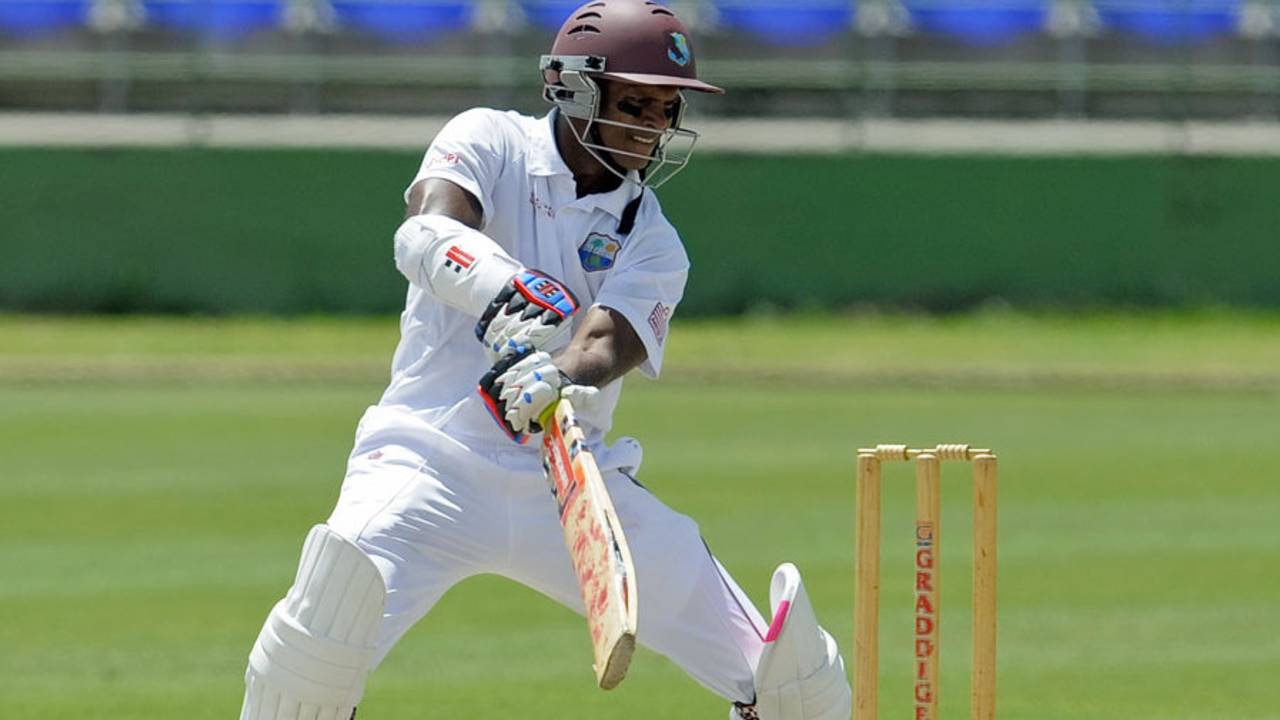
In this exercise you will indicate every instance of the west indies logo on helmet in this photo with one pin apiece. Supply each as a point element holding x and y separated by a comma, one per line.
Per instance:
<point>632,41</point>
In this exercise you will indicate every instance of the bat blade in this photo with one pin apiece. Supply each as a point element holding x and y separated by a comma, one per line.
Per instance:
<point>596,544</point>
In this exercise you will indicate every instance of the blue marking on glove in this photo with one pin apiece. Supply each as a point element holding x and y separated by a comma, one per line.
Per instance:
<point>544,291</point>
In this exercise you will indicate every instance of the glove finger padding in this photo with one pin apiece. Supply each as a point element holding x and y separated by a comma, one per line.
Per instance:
<point>529,313</point>
<point>526,405</point>
<point>587,400</point>
<point>582,396</point>
<point>490,389</point>
<point>519,388</point>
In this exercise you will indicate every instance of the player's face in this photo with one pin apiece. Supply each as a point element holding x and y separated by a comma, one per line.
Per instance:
<point>648,109</point>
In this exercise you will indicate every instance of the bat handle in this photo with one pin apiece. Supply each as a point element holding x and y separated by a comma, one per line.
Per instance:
<point>544,420</point>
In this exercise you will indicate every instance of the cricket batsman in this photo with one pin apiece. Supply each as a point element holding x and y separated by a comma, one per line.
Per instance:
<point>540,266</point>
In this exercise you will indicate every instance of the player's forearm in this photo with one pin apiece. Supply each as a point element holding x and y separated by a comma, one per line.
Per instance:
<point>603,350</point>
<point>593,366</point>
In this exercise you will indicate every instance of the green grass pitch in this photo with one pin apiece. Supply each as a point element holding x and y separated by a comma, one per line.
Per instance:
<point>157,478</point>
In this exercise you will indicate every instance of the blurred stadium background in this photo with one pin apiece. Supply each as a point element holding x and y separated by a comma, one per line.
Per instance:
<point>1043,153</point>
<point>1149,59</point>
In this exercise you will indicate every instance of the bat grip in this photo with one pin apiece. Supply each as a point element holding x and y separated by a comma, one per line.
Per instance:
<point>544,420</point>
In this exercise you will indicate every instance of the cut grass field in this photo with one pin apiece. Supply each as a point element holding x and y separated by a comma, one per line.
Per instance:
<point>159,475</point>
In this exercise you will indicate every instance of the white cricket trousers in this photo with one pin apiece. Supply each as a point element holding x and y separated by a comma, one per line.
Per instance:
<point>430,519</point>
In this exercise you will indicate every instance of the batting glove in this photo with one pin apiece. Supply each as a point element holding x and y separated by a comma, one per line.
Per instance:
<point>521,388</point>
<point>530,313</point>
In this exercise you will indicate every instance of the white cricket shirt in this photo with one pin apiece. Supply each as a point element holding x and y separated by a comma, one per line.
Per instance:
<point>510,163</point>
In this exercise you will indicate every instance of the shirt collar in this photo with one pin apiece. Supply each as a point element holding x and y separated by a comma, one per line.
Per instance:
<point>545,160</point>
<point>544,157</point>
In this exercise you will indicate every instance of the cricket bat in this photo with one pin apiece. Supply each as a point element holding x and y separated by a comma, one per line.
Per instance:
<point>596,545</point>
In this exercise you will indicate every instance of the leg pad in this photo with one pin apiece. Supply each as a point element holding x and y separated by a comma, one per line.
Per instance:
<point>318,644</point>
<point>801,674</point>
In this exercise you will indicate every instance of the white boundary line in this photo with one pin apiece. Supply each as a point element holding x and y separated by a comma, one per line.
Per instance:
<point>754,136</point>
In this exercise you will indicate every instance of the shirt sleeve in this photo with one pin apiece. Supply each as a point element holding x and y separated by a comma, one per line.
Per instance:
<point>646,285</point>
<point>469,151</point>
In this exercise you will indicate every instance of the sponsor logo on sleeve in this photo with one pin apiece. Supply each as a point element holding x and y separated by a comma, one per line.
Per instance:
<point>598,252</point>
<point>457,260</point>
<point>658,321</point>
<point>444,160</point>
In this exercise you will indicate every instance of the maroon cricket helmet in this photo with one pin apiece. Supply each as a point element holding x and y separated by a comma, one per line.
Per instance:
<point>641,42</point>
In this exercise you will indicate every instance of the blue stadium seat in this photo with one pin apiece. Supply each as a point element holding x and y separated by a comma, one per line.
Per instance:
<point>551,14</point>
<point>548,14</point>
<point>37,18</point>
<point>798,22</point>
<point>979,22</point>
<point>219,19</point>
<point>1171,22</point>
<point>404,21</point>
